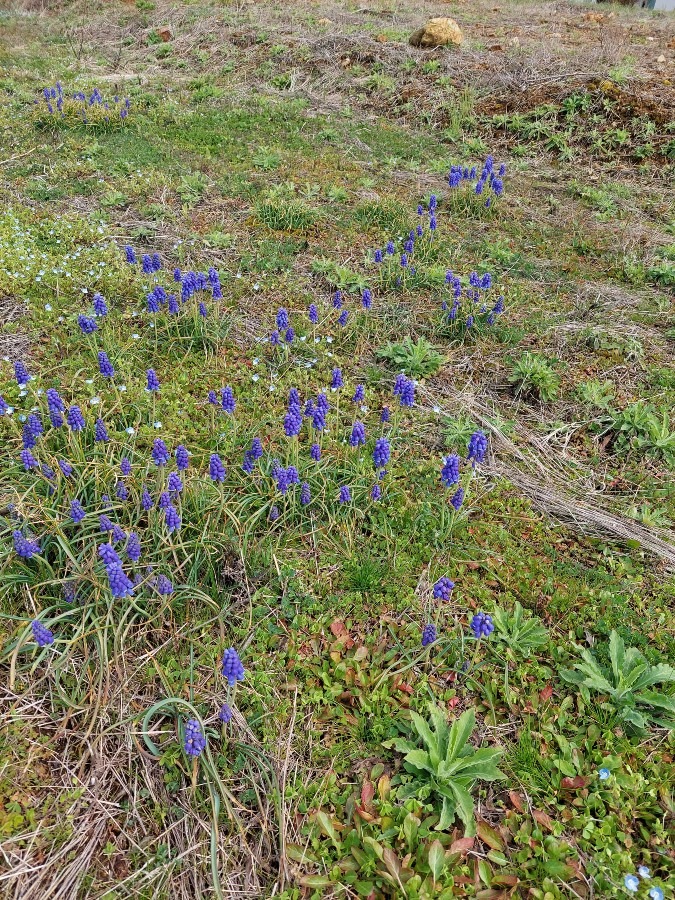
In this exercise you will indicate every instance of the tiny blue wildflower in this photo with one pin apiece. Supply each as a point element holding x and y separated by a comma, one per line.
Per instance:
<point>644,872</point>
<point>656,893</point>
<point>631,883</point>
<point>603,774</point>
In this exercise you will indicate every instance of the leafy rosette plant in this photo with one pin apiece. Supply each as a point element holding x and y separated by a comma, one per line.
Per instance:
<point>448,766</point>
<point>627,684</point>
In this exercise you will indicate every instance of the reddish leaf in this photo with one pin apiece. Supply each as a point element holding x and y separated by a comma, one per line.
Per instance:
<point>488,835</point>
<point>462,845</point>
<point>518,800</point>
<point>404,687</point>
<point>573,784</point>
<point>546,694</point>
<point>338,628</point>
<point>452,702</point>
<point>473,565</point>
<point>543,819</point>
<point>367,794</point>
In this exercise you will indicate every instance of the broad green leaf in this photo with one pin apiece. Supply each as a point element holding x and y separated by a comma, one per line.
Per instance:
<point>436,860</point>
<point>326,826</point>
<point>427,736</point>
<point>447,815</point>
<point>654,698</point>
<point>464,808</point>
<point>440,722</point>
<point>411,825</point>
<point>616,654</point>
<point>420,760</point>
<point>460,733</point>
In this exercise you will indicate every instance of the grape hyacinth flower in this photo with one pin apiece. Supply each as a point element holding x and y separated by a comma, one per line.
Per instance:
<point>305,494</point>
<point>217,471</point>
<point>66,468</point>
<point>282,319</point>
<point>195,741</point>
<point>146,500</point>
<point>28,438</point>
<point>160,454</point>
<point>482,625</point>
<point>390,249</point>
<point>120,584</point>
<point>457,498</point>
<point>87,324</point>
<point>376,492</point>
<point>68,591</point>
<point>133,547</point>
<point>248,464</point>
<point>336,379</point>
<point>100,432</point>
<point>34,424</point>
<point>381,453</point>
<point>182,458</point>
<point>315,452</point>
<point>174,484</point>
<point>125,466</point>
<point>100,306</point>
<point>359,394</point>
<point>233,669</point>
<point>378,256</point>
<point>54,402</point>
<point>153,381</point>
<point>227,400</point>
<point>366,299</point>
<point>109,555</point>
<point>41,635</point>
<point>428,634</point>
<point>450,470</point>
<point>407,396</point>
<point>337,300</point>
<point>203,311</point>
<point>478,444</point>
<point>172,518</point>
<point>24,548</point>
<point>275,339</point>
<point>118,535</point>
<point>212,398</point>
<point>313,314</point>
<point>343,318</point>
<point>153,304</point>
<point>274,513</point>
<point>293,421</point>
<point>28,460</point>
<point>345,494</point>
<point>21,374</point>
<point>105,524</point>
<point>385,415</point>
<point>156,262</point>
<point>164,586</point>
<point>75,418</point>
<point>130,255</point>
<point>225,713</point>
<point>443,588</point>
<point>173,305</point>
<point>121,491</point>
<point>319,419</point>
<point>289,336</point>
<point>4,406</point>
<point>358,435</point>
<point>105,366</point>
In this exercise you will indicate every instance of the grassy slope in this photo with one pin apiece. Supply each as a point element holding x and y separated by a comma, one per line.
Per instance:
<point>227,160</point>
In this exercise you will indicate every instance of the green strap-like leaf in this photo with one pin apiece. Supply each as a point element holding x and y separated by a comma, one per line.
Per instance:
<point>427,736</point>
<point>616,655</point>
<point>460,734</point>
<point>464,808</point>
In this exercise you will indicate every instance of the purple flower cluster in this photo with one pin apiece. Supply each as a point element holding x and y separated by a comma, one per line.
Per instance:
<point>195,742</point>
<point>482,625</point>
<point>233,670</point>
<point>443,588</point>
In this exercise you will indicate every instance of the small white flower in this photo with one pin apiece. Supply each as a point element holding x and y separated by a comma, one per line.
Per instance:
<point>317,340</point>
<point>256,286</point>
<point>436,409</point>
<point>122,388</point>
<point>95,401</point>
<point>255,377</point>
<point>256,361</point>
<point>88,380</point>
<point>272,388</point>
<point>22,418</point>
<point>156,424</point>
<point>329,340</point>
<point>303,337</point>
<point>136,337</point>
<point>129,430</point>
<point>48,307</point>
